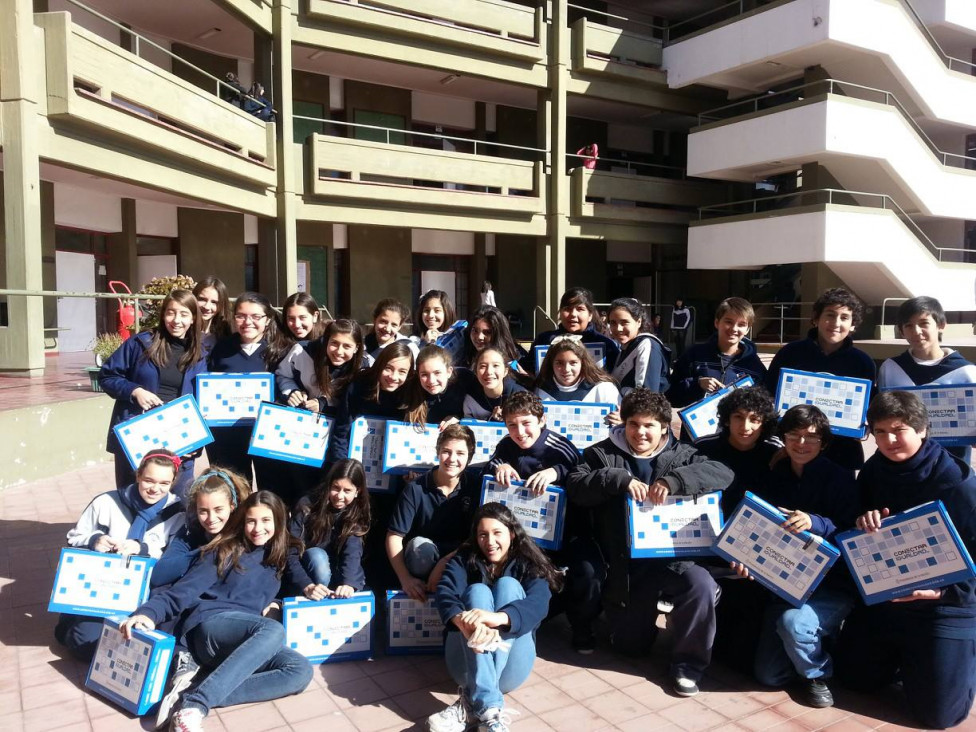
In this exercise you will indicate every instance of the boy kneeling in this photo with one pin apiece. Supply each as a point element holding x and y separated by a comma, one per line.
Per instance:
<point>642,460</point>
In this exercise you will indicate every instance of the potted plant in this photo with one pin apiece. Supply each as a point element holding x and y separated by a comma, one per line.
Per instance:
<point>104,345</point>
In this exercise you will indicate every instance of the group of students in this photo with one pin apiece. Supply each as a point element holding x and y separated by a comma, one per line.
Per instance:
<point>226,561</point>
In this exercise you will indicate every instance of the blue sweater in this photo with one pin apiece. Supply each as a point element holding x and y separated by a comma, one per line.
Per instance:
<point>646,362</point>
<point>203,592</point>
<point>591,335</point>
<point>807,355</point>
<point>357,402</point>
<point>825,491</point>
<point>549,451</point>
<point>181,552</point>
<point>703,359</point>
<point>478,405</point>
<point>129,369</point>
<point>464,570</point>
<point>227,356</point>
<point>346,561</point>
<point>751,467</point>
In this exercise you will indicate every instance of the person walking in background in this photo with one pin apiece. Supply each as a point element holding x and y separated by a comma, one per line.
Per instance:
<point>488,294</point>
<point>680,326</point>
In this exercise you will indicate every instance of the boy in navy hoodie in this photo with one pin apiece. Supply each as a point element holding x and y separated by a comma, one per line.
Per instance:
<point>642,460</point>
<point>927,639</point>
<point>829,348</point>
<point>723,359</point>
<point>541,458</point>
<point>921,321</point>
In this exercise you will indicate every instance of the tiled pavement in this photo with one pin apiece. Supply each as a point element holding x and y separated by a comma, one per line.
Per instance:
<point>41,689</point>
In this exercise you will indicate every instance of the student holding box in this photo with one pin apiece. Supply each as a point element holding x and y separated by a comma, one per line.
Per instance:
<point>579,319</point>
<point>927,639</point>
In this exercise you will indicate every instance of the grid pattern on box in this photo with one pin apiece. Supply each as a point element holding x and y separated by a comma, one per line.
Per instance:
<point>409,449</point>
<point>414,624</point>
<point>678,523</point>
<point>223,398</point>
<point>903,552</point>
<point>952,411</point>
<point>582,423</point>
<point>596,350</point>
<point>324,631</point>
<point>121,665</point>
<point>174,426</point>
<point>782,557</point>
<point>104,582</point>
<point>840,399</point>
<point>366,440</point>
<point>453,340</point>
<point>291,434</point>
<point>487,435</point>
<point>538,515</point>
<point>702,418</point>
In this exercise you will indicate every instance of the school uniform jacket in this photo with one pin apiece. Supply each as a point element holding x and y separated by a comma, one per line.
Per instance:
<point>478,405</point>
<point>644,362</point>
<point>905,370</point>
<point>582,391</point>
<point>111,515</point>
<point>599,483</point>
<point>750,467</point>
<point>181,552</point>
<point>346,562</point>
<point>703,359</point>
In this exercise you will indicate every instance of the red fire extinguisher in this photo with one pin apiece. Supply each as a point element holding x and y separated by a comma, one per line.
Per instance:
<point>128,310</point>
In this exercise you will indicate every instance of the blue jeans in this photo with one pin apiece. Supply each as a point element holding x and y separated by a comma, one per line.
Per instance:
<point>791,641</point>
<point>421,555</point>
<point>485,677</point>
<point>248,659</point>
<point>315,561</point>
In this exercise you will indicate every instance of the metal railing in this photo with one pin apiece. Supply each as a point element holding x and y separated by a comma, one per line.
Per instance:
<point>666,171</point>
<point>774,100</point>
<point>825,196</point>
<point>391,132</point>
<point>884,306</point>
<point>780,317</point>
<point>657,31</point>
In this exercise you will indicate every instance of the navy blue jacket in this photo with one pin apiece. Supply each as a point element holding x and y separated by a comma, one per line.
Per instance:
<point>129,369</point>
<point>751,467</point>
<point>807,355</point>
<point>357,402</point>
<point>464,570</point>
<point>931,474</point>
<point>422,510</point>
<point>478,405</point>
<point>646,362</point>
<point>702,359</point>
<point>203,592</point>
<point>181,552</point>
<point>825,491</point>
<point>549,451</point>
<point>346,561</point>
<point>591,335</point>
<point>227,356</point>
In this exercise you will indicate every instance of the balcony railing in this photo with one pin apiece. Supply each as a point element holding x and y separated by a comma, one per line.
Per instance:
<point>637,198</point>
<point>600,49</point>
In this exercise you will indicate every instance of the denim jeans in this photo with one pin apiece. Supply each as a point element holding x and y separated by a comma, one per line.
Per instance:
<point>248,659</point>
<point>315,561</point>
<point>485,677</point>
<point>791,641</point>
<point>421,555</point>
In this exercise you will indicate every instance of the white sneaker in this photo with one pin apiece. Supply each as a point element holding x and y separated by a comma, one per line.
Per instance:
<point>186,670</point>
<point>495,720</point>
<point>684,686</point>
<point>452,719</point>
<point>187,720</point>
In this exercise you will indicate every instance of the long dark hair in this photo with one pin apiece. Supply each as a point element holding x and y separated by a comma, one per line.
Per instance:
<point>330,387</point>
<point>633,307</point>
<point>270,331</point>
<point>501,334</point>
<point>370,378</point>
<point>322,516</point>
<point>590,373</point>
<point>220,324</point>
<point>449,312</point>
<point>522,548</point>
<point>285,340</point>
<point>158,351</point>
<point>228,546</point>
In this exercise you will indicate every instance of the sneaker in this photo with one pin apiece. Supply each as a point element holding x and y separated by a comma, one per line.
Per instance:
<point>584,642</point>
<point>684,686</point>
<point>495,720</point>
<point>665,607</point>
<point>453,719</point>
<point>186,670</point>
<point>817,694</point>
<point>189,719</point>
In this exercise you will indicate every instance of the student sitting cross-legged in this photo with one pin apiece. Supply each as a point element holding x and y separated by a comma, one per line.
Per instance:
<point>928,638</point>
<point>642,460</point>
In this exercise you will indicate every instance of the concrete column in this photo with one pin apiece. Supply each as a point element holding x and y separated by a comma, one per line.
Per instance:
<point>479,271</point>
<point>22,342</point>
<point>123,259</point>
<point>286,233</point>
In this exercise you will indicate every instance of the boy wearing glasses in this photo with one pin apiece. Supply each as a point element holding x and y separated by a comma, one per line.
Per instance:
<point>818,496</point>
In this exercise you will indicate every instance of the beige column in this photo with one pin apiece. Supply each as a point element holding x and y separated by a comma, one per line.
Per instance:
<point>286,233</point>
<point>22,341</point>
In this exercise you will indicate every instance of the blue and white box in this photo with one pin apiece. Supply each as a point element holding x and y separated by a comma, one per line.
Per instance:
<point>131,673</point>
<point>408,448</point>
<point>412,627</point>
<point>453,340</point>
<point>582,423</point>
<point>790,565</point>
<point>596,351</point>
<point>292,435</point>
<point>952,411</point>
<point>918,549</point>
<point>542,516</point>
<point>99,585</point>
<point>366,439</point>
<point>231,399</point>
<point>177,426</point>
<point>843,399</point>
<point>325,631</point>
<point>701,418</point>
<point>682,526</point>
<point>487,435</point>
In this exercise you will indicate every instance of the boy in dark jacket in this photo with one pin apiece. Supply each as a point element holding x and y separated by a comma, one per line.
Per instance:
<point>928,638</point>
<point>643,461</point>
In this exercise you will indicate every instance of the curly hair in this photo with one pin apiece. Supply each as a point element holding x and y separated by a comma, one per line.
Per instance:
<point>754,400</point>
<point>642,401</point>
<point>841,297</point>
<point>522,402</point>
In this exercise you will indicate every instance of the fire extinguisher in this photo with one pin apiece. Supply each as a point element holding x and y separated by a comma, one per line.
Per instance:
<point>128,310</point>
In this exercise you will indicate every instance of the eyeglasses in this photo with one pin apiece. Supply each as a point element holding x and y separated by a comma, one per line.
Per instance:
<point>242,318</point>
<point>803,437</point>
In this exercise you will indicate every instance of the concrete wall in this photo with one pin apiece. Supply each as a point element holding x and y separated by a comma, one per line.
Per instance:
<point>380,265</point>
<point>515,283</point>
<point>586,266</point>
<point>212,242</point>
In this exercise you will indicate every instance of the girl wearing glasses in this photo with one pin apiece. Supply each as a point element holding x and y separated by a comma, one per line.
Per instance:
<point>246,351</point>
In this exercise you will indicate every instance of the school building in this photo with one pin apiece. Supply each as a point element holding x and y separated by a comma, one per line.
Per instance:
<point>764,149</point>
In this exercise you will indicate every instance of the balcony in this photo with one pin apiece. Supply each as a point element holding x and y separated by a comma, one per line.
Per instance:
<point>255,12</point>
<point>101,88</point>
<point>637,199</point>
<point>616,54</point>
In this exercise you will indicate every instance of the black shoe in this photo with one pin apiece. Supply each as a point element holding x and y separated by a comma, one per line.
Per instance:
<point>584,642</point>
<point>683,686</point>
<point>817,694</point>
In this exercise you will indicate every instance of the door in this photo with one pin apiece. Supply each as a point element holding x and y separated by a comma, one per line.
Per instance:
<point>75,273</point>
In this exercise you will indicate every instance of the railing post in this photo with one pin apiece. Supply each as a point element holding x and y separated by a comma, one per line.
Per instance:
<point>782,316</point>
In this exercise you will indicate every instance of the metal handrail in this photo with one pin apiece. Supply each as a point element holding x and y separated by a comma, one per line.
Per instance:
<point>630,163</point>
<point>886,202</point>
<point>659,29</point>
<point>142,39</point>
<point>433,135</point>
<point>884,304</point>
<point>758,103</point>
<point>545,315</point>
<point>782,319</point>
